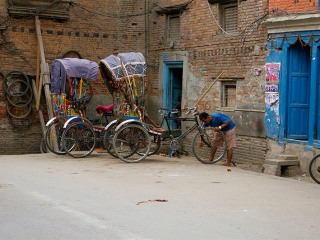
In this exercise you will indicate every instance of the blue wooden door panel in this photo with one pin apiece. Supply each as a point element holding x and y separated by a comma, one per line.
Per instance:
<point>298,93</point>
<point>318,108</point>
<point>172,87</point>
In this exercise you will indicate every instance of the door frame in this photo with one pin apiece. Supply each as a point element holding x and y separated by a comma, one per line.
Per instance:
<point>167,82</point>
<point>313,96</point>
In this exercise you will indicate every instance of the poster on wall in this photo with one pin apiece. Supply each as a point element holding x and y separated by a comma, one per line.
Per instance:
<point>272,73</point>
<point>272,88</point>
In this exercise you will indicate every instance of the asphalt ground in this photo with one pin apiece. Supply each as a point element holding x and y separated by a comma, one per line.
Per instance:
<point>46,196</point>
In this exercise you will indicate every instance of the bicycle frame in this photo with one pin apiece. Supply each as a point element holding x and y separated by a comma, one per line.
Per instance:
<point>184,134</point>
<point>197,124</point>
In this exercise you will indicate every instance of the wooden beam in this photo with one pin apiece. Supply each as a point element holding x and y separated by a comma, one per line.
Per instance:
<point>44,69</point>
<point>209,88</point>
<point>41,118</point>
<point>38,67</point>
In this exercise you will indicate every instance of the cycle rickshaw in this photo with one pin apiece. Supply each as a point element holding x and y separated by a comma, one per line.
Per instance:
<point>70,92</point>
<point>129,136</point>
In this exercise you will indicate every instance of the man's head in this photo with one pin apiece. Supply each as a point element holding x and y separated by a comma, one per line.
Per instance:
<point>205,117</point>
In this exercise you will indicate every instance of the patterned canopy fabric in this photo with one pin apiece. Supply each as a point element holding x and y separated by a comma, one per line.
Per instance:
<point>72,68</point>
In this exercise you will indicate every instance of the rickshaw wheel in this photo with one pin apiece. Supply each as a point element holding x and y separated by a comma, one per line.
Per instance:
<point>79,139</point>
<point>53,137</point>
<point>132,143</point>
<point>155,144</point>
<point>108,139</point>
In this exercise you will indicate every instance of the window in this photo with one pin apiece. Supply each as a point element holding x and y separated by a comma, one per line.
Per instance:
<point>229,17</point>
<point>173,28</point>
<point>228,94</point>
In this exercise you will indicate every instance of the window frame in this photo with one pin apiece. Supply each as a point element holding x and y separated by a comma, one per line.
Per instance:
<point>168,28</point>
<point>222,10</point>
<point>223,93</point>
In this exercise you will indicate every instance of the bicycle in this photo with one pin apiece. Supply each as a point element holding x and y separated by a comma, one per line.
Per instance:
<point>314,168</point>
<point>202,141</point>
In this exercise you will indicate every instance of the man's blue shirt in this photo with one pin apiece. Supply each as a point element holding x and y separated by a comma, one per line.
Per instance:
<point>218,119</point>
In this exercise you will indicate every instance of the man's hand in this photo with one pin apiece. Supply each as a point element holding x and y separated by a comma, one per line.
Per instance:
<point>217,129</point>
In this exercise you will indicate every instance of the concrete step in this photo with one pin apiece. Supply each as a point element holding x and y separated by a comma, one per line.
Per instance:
<point>281,162</point>
<point>285,165</point>
<point>288,157</point>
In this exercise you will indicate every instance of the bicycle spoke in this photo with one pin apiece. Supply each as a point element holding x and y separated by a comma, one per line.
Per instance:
<point>131,143</point>
<point>79,139</point>
<point>203,147</point>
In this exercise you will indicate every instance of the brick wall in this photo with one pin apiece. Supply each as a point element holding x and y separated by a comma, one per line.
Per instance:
<point>209,53</point>
<point>299,6</point>
<point>248,150</point>
<point>96,29</point>
<point>110,27</point>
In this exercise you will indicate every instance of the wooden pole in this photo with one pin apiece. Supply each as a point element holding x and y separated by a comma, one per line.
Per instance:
<point>39,92</point>
<point>128,82</point>
<point>43,125</point>
<point>38,67</point>
<point>209,88</point>
<point>44,69</point>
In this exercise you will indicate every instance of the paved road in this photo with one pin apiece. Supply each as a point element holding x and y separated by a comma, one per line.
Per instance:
<point>45,196</point>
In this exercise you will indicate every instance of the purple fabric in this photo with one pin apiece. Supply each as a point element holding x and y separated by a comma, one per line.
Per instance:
<point>134,63</point>
<point>71,67</point>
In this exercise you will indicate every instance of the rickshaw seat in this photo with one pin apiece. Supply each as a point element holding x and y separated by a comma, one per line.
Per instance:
<point>104,109</point>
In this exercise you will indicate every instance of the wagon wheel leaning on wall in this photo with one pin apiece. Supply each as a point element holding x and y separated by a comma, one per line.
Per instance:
<point>18,92</point>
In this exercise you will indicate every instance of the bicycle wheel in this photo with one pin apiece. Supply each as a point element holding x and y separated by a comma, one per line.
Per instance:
<point>108,139</point>
<point>155,143</point>
<point>203,151</point>
<point>314,168</point>
<point>78,139</point>
<point>131,143</point>
<point>53,138</point>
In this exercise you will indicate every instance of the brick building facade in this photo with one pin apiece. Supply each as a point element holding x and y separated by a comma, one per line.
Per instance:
<point>187,45</point>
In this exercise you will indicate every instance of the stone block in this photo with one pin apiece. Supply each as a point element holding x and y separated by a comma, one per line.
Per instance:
<point>281,162</point>
<point>271,169</point>
<point>288,157</point>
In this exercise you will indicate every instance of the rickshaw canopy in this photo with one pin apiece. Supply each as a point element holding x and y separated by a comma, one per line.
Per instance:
<point>134,64</point>
<point>124,76</point>
<point>72,68</point>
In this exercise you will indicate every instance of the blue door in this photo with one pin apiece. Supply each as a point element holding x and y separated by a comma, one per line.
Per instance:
<point>298,94</point>
<point>317,99</point>
<point>172,86</point>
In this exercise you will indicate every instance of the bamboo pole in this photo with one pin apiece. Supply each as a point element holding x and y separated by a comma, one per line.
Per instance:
<point>44,69</point>
<point>39,92</point>
<point>209,88</point>
<point>128,82</point>
<point>38,67</point>
<point>43,125</point>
